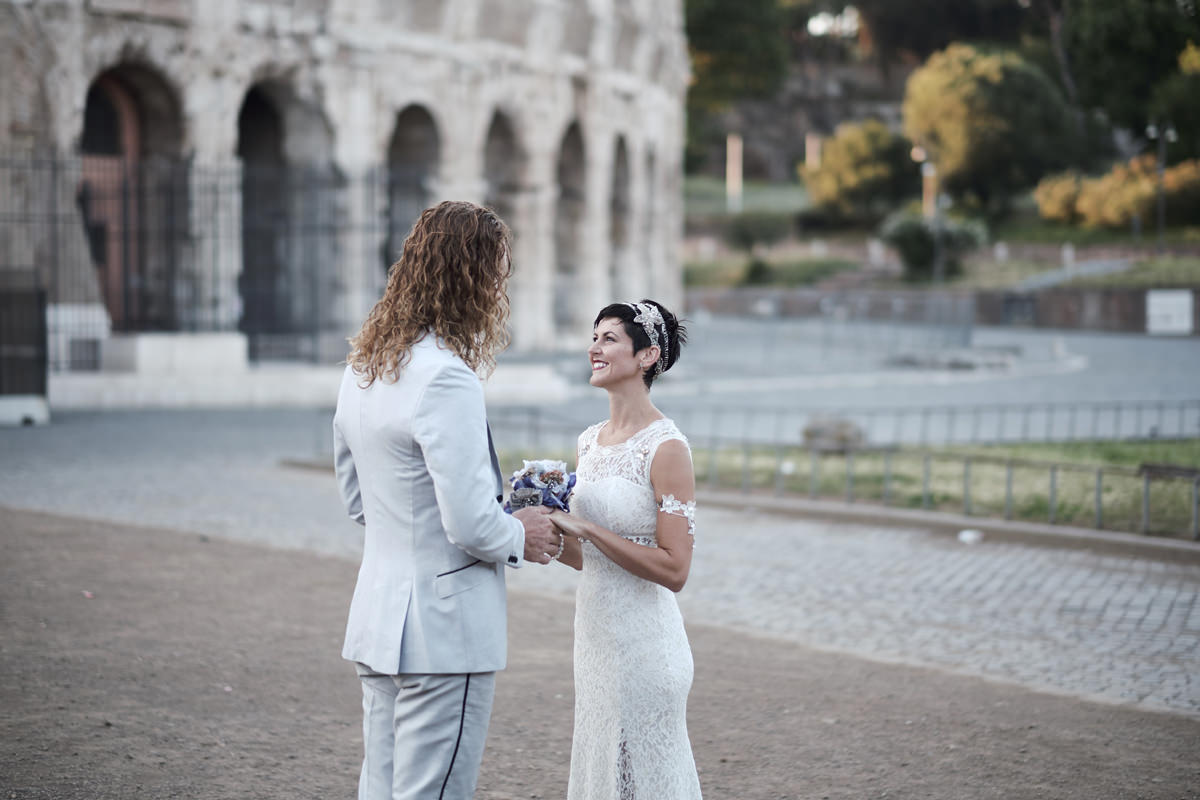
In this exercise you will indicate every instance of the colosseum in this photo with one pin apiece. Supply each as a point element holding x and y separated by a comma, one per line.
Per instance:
<point>250,167</point>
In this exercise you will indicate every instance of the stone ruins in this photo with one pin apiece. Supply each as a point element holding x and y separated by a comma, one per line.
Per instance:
<point>252,166</point>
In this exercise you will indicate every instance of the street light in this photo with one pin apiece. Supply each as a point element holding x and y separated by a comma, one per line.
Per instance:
<point>930,207</point>
<point>1163,137</point>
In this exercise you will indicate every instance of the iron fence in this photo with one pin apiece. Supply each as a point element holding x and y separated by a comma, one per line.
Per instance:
<point>983,424</point>
<point>922,426</point>
<point>22,341</point>
<point>776,460</point>
<point>292,256</point>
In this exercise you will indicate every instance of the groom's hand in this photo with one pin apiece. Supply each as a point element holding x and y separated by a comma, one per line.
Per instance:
<point>541,537</point>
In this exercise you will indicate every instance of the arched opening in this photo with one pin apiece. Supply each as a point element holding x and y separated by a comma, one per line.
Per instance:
<point>289,224</point>
<point>413,156</point>
<point>620,266</point>
<point>264,216</point>
<point>568,229</point>
<point>503,169</point>
<point>129,194</point>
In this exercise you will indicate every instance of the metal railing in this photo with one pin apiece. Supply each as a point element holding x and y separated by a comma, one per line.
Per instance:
<point>287,255</point>
<point>922,426</point>
<point>1141,500</point>
<point>22,341</point>
<point>775,460</point>
<point>981,424</point>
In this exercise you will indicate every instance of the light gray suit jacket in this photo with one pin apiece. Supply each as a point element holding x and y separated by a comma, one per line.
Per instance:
<point>415,466</point>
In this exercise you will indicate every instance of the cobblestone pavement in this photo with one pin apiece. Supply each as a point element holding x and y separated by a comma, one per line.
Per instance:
<point>1118,629</point>
<point>1071,621</point>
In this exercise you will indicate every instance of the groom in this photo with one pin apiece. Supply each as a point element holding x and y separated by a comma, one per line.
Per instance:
<point>415,465</point>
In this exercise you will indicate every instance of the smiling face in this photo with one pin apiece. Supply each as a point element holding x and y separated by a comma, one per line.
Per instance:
<point>612,357</point>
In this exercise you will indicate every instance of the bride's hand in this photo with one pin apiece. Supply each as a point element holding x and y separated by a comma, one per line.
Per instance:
<point>568,524</point>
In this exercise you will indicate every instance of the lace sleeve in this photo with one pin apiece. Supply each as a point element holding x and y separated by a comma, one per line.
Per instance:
<point>669,505</point>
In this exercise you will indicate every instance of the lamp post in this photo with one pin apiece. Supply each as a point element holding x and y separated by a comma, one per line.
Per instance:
<point>1163,136</point>
<point>930,207</point>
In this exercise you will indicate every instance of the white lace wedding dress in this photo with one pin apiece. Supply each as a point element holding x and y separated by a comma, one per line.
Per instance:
<point>633,664</point>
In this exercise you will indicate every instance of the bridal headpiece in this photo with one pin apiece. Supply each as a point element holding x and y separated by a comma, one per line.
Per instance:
<point>650,318</point>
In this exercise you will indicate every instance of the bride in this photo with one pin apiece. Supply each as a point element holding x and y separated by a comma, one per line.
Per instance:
<point>631,534</point>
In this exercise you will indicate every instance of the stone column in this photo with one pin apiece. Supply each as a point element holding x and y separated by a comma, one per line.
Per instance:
<point>533,318</point>
<point>639,265</point>
<point>214,222</point>
<point>358,277</point>
<point>594,284</point>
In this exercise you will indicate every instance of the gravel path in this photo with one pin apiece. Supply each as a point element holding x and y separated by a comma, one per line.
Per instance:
<point>1112,628</point>
<point>144,663</point>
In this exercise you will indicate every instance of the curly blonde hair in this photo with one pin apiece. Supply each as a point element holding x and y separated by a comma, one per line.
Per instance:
<point>450,280</point>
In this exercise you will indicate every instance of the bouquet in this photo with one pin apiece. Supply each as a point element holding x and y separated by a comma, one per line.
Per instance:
<point>541,483</point>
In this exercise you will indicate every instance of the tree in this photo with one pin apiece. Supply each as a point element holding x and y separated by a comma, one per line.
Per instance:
<point>1176,102</point>
<point>1117,49</point>
<point>913,29</point>
<point>865,172</point>
<point>738,50</point>
<point>992,124</point>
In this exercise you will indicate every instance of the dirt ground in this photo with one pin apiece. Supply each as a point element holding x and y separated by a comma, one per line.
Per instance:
<point>137,663</point>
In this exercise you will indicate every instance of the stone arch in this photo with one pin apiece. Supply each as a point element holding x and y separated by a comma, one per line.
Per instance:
<point>620,223</point>
<point>569,228</point>
<point>412,169</point>
<point>504,166</point>
<point>130,193</point>
<point>288,219</point>
<point>264,211</point>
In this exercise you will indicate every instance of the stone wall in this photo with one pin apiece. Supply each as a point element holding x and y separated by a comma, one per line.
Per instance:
<point>1109,310</point>
<point>567,115</point>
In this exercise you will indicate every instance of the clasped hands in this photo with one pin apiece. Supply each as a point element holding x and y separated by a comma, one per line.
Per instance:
<point>544,529</point>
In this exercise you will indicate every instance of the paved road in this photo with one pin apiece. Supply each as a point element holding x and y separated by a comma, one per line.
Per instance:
<point>749,367</point>
<point>1119,629</point>
<point>1115,628</point>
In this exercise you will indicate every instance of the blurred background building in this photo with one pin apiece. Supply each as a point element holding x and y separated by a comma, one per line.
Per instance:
<point>249,168</point>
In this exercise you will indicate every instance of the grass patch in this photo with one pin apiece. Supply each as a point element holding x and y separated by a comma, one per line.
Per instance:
<point>998,274</point>
<point>1183,452</point>
<point>704,196</point>
<point>1153,273</point>
<point>976,481</point>
<point>782,271</point>
<point>1031,228</point>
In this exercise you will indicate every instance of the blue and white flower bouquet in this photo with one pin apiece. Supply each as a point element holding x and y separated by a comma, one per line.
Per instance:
<point>541,483</point>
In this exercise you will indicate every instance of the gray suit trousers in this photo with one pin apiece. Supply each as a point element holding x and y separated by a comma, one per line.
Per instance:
<point>423,735</point>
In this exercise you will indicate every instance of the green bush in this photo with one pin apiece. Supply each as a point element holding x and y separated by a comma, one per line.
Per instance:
<point>865,172</point>
<point>992,123</point>
<point>757,273</point>
<point>751,228</point>
<point>916,239</point>
<point>1131,189</point>
<point>1114,199</point>
<point>1175,100</point>
<point>1181,185</point>
<point>1057,197</point>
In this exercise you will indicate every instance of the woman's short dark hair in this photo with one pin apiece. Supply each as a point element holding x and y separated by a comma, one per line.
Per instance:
<point>676,333</point>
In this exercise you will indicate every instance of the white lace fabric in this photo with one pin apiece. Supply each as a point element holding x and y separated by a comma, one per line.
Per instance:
<point>669,505</point>
<point>633,663</point>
